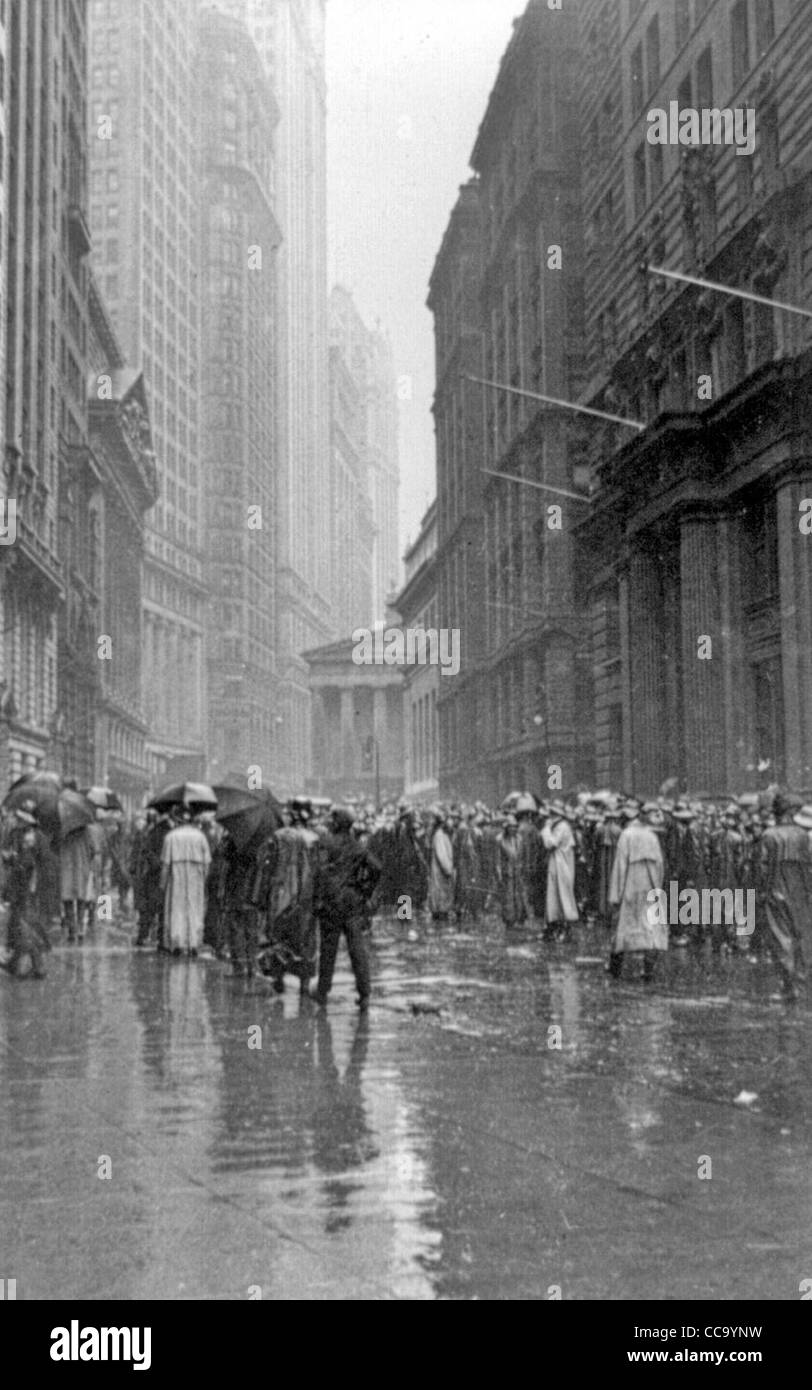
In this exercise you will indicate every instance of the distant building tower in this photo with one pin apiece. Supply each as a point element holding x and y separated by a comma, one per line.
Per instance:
<point>352,535</point>
<point>289,35</point>
<point>239,242</point>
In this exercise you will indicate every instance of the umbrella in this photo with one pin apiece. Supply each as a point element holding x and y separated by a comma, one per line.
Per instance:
<point>195,796</point>
<point>104,798</point>
<point>247,815</point>
<point>58,812</point>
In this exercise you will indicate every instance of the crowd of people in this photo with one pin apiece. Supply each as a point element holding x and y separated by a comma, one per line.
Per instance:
<point>278,902</point>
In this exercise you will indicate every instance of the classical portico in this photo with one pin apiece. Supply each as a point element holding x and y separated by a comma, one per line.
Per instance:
<point>357,714</point>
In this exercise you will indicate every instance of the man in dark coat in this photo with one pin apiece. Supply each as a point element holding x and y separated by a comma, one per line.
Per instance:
<point>786,880</point>
<point>25,858</point>
<point>346,876</point>
<point>149,872</point>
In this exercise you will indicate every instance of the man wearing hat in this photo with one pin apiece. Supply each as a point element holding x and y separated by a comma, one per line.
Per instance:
<point>24,861</point>
<point>786,879</point>
<point>638,868</point>
<point>605,837</point>
<point>345,881</point>
<point>561,908</point>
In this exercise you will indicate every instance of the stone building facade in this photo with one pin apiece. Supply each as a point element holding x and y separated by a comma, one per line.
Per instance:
<point>121,462</point>
<point>417,608</point>
<point>44,243</point>
<point>509,308</point>
<point>696,573</point>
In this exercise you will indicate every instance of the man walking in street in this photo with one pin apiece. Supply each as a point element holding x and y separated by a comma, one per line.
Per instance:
<point>345,880</point>
<point>786,880</point>
<point>24,863</point>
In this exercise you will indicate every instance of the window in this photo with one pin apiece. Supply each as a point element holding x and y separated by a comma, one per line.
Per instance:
<point>682,21</point>
<point>770,148</point>
<point>656,157</point>
<point>704,79</point>
<point>636,75</point>
<point>653,53</point>
<point>740,41</point>
<point>639,181</point>
<point>765,25</point>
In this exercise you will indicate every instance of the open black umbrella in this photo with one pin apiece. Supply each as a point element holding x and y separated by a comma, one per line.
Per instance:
<point>247,815</point>
<point>58,812</point>
<point>195,796</point>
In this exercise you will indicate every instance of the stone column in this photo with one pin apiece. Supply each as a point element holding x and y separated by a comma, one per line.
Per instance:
<point>702,677</point>
<point>348,750</point>
<point>737,733</point>
<point>646,672</point>
<point>625,672</point>
<point>379,729</point>
<point>795,580</point>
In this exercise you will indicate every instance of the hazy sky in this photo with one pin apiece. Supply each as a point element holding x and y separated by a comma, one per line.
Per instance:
<point>408,81</point>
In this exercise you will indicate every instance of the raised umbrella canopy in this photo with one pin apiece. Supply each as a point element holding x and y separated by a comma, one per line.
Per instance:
<point>58,812</point>
<point>103,798</point>
<point>247,815</point>
<point>194,796</point>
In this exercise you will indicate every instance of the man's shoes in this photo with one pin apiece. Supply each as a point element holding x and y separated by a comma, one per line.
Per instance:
<point>38,975</point>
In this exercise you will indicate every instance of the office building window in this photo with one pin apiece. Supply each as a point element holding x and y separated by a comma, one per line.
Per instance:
<point>682,21</point>
<point>636,78</point>
<point>740,41</point>
<point>653,53</point>
<point>639,181</point>
<point>704,79</point>
<point>765,25</point>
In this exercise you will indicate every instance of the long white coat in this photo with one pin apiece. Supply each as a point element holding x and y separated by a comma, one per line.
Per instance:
<point>638,868</point>
<point>560,841</point>
<point>185,858</point>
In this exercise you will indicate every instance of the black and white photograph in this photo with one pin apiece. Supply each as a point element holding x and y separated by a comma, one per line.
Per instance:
<point>406,662</point>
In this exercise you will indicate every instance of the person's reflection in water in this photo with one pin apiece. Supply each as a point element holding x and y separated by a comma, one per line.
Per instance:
<point>342,1138</point>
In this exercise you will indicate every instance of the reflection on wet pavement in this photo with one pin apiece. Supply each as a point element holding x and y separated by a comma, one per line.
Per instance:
<point>504,1121</point>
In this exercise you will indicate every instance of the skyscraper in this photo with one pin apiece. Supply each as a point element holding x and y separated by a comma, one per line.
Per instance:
<point>43,244</point>
<point>352,529</point>
<point>144,209</point>
<point>383,468</point>
<point>289,35</point>
<point>239,241</point>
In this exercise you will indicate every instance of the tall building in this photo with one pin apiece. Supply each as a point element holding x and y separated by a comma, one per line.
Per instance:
<point>459,413</point>
<point>43,248</point>
<point>240,440</point>
<point>109,544</point>
<point>416,605</point>
<point>289,35</point>
<point>383,470</point>
<point>696,568</point>
<point>352,528</point>
<point>508,282</point>
<point>144,216</point>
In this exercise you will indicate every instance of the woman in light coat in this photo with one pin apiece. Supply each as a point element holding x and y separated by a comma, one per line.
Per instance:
<point>561,907</point>
<point>638,868</point>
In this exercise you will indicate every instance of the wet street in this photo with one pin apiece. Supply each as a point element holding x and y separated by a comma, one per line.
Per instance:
<point>442,1147</point>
